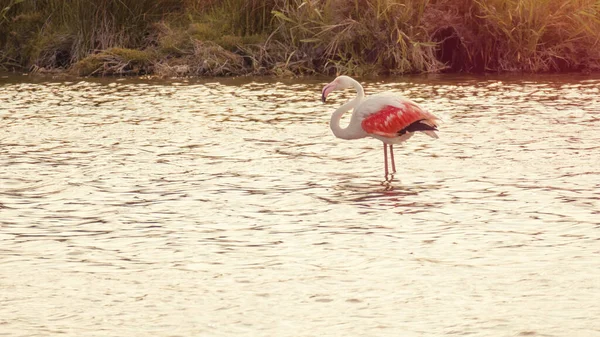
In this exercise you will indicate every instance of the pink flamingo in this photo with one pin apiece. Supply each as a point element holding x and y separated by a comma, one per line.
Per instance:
<point>390,118</point>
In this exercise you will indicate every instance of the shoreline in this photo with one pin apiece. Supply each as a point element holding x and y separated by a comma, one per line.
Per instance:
<point>504,77</point>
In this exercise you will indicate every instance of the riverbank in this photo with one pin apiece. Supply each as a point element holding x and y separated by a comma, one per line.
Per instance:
<point>292,37</point>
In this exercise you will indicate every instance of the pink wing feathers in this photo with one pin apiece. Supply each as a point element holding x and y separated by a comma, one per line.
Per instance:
<point>388,120</point>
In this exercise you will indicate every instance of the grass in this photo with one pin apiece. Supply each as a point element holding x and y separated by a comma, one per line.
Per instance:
<point>115,61</point>
<point>541,35</point>
<point>361,37</point>
<point>295,37</point>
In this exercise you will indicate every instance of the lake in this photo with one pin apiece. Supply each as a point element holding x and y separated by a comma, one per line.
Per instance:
<point>226,207</point>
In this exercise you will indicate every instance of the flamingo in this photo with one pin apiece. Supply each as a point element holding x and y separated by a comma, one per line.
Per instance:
<point>390,118</point>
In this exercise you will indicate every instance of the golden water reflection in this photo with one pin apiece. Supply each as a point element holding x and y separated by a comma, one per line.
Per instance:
<point>227,208</point>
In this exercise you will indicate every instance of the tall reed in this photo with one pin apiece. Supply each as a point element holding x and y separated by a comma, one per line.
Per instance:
<point>245,17</point>
<point>77,28</point>
<point>288,37</point>
<point>360,36</point>
<point>539,35</point>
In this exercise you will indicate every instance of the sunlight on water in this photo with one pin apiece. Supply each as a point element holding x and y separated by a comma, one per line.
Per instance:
<point>227,208</point>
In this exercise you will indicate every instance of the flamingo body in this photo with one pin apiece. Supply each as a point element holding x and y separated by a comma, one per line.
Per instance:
<point>390,118</point>
<point>394,121</point>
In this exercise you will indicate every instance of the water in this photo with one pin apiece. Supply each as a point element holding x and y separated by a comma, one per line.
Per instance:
<point>227,208</point>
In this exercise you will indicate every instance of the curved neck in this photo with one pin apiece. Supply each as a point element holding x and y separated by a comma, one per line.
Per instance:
<point>351,131</point>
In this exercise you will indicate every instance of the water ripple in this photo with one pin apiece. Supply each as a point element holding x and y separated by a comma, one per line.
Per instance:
<point>226,208</point>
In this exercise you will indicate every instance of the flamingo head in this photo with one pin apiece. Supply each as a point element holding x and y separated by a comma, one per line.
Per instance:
<point>340,83</point>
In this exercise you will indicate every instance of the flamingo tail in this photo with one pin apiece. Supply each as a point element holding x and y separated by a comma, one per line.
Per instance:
<point>428,127</point>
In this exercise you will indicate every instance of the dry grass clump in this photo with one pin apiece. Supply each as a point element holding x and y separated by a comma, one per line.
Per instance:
<point>196,49</point>
<point>115,61</point>
<point>205,59</point>
<point>360,37</point>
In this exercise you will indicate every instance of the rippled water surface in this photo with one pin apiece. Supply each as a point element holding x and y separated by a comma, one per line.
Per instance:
<point>227,208</point>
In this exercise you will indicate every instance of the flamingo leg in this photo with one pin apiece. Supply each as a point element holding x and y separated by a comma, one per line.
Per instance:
<point>392,158</point>
<point>385,159</point>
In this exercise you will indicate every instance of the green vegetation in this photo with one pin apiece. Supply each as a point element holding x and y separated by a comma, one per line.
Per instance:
<point>294,37</point>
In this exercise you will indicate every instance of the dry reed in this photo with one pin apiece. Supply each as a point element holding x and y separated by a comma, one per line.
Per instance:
<point>291,37</point>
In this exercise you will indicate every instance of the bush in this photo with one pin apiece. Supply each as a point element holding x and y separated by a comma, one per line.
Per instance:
<point>291,37</point>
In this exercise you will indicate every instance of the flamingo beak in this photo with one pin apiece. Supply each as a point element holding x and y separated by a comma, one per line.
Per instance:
<point>326,90</point>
